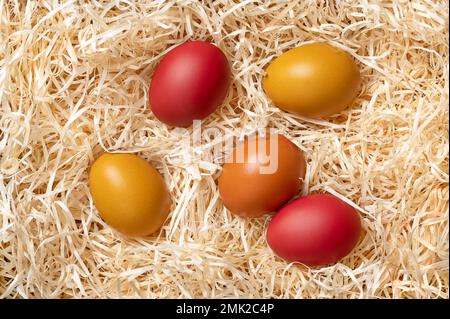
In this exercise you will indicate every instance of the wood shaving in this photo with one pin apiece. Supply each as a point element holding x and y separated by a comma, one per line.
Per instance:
<point>73,83</point>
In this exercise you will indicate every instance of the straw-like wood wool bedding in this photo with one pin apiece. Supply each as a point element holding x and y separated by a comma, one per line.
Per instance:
<point>73,83</point>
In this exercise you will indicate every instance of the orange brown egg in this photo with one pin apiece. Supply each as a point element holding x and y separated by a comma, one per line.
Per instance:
<point>261,174</point>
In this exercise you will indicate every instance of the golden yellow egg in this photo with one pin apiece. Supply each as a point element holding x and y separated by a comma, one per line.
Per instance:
<point>129,193</point>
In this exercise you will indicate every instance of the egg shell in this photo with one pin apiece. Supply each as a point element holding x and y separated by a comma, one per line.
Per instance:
<point>189,83</point>
<point>315,80</point>
<point>129,193</point>
<point>250,185</point>
<point>314,230</point>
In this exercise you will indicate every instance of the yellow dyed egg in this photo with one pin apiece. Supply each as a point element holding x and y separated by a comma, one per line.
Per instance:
<point>313,80</point>
<point>129,193</point>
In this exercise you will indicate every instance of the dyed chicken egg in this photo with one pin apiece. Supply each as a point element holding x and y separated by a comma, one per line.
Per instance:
<point>314,230</point>
<point>261,174</point>
<point>313,80</point>
<point>189,83</point>
<point>129,193</point>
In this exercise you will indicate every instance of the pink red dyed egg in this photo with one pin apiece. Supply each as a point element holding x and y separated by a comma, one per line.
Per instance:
<point>189,83</point>
<point>314,230</point>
